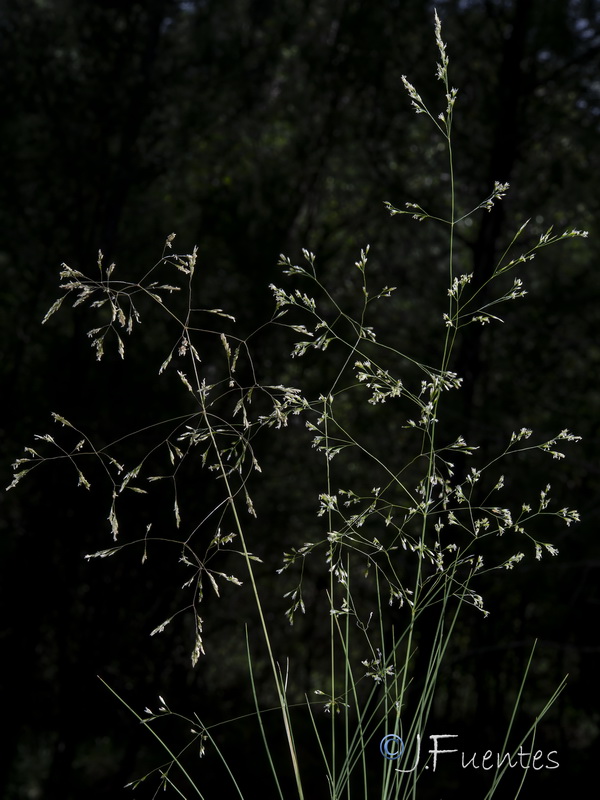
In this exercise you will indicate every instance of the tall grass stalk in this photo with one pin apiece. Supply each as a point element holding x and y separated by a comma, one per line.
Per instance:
<point>398,540</point>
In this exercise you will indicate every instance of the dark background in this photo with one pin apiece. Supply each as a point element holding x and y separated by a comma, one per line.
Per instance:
<point>251,129</point>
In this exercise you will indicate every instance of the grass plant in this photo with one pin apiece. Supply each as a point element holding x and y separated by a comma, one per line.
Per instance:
<point>417,531</point>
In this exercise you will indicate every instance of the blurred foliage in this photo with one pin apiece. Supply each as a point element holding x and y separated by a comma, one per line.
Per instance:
<point>253,129</point>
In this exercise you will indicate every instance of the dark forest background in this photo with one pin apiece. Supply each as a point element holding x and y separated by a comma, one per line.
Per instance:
<point>252,129</point>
